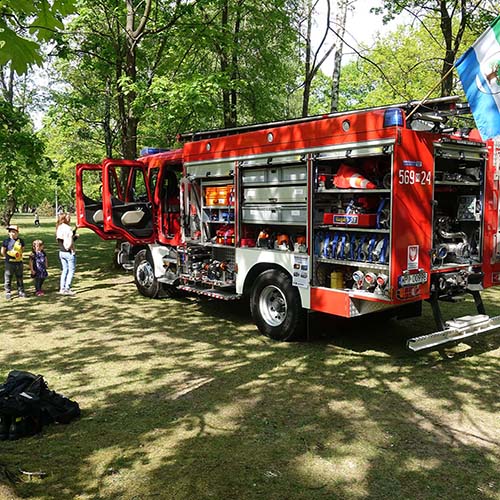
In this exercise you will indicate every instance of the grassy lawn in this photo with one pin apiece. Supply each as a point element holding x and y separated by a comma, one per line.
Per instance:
<point>183,399</point>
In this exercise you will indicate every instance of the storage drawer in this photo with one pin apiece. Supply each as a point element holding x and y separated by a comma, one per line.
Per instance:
<point>254,176</point>
<point>275,194</point>
<point>260,214</point>
<point>275,175</point>
<point>293,214</point>
<point>219,195</point>
<point>294,174</point>
<point>215,169</point>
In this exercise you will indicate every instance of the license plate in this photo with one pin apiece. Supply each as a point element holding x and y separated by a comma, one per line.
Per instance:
<point>413,279</point>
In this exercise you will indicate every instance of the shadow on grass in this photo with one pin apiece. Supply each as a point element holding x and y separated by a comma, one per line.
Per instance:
<point>183,400</point>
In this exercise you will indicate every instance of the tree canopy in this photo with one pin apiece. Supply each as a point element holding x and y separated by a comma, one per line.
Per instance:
<point>25,25</point>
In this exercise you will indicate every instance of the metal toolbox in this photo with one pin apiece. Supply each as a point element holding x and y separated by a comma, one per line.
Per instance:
<point>275,194</point>
<point>295,173</point>
<point>274,175</point>
<point>254,176</point>
<point>297,214</point>
<point>222,169</point>
<point>260,214</point>
<point>266,213</point>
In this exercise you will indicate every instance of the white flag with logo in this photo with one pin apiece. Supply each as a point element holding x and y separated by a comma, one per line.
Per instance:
<point>479,71</point>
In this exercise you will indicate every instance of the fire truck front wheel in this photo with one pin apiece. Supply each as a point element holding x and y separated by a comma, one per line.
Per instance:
<point>275,306</point>
<point>144,275</point>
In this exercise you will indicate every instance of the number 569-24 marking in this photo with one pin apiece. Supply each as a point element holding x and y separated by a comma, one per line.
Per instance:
<point>411,177</point>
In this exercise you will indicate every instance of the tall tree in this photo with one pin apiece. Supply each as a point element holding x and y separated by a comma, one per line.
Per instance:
<point>401,66</point>
<point>454,17</point>
<point>107,39</point>
<point>21,158</point>
<point>338,29</point>
<point>321,26</point>
<point>188,72</point>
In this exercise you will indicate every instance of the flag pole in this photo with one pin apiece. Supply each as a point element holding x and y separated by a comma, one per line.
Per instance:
<point>430,92</point>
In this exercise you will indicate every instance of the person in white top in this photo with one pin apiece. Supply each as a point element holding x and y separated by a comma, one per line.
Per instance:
<point>66,240</point>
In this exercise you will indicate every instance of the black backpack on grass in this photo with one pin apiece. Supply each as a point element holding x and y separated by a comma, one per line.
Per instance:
<point>26,404</point>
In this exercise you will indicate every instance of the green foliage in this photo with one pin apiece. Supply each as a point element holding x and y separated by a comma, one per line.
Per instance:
<point>403,65</point>
<point>21,159</point>
<point>180,79</point>
<point>24,19</point>
<point>452,18</point>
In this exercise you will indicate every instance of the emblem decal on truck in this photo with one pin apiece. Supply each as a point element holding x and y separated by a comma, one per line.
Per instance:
<point>412,262</point>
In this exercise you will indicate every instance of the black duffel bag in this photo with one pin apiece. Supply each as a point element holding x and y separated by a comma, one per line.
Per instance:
<point>26,404</point>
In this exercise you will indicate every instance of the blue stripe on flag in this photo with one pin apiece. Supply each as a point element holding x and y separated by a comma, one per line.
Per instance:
<point>483,105</point>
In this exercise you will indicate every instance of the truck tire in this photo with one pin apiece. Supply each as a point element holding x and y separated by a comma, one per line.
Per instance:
<point>275,306</point>
<point>144,275</point>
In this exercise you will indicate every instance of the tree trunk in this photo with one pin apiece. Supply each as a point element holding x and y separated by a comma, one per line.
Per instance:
<point>108,134</point>
<point>234,64</point>
<point>341,19</point>
<point>227,50</point>
<point>449,58</point>
<point>126,97</point>
<point>9,207</point>
<point>307,62</point>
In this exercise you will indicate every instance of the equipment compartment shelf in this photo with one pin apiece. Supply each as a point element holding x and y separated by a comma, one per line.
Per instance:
<point>364,191</point>
<point>355,229</point>
<point>354,263</point>
<point>456,183</point>
<point>275,223</point>
<point>216,245</point>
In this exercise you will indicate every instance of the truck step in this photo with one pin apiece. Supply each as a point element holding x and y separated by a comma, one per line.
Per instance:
<point>210,292</point>
<point>456,329</point>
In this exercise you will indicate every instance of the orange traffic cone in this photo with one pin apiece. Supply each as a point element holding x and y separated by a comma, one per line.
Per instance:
<point>347,177</point>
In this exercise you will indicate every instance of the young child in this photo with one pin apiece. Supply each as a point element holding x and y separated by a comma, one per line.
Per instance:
<point>12,251</point>
<point>38,265</point>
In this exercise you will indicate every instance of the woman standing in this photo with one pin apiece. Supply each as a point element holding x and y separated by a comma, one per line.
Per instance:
<point>67,255</point>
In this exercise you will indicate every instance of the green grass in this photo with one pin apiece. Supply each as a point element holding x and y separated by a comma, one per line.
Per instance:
<point>183,399</point>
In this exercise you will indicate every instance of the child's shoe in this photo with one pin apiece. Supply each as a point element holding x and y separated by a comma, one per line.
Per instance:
<point>8,296</point>
<point>22,295</point>
<point>41,292</point>
<point>70,292</point>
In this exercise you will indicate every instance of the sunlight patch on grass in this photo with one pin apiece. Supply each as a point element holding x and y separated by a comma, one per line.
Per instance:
<point>348,471</point>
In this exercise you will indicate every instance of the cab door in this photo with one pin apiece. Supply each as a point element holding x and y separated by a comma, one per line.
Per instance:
<point>164,185</point>
<point>164,171</point>
<point>127,205</point>
<point>89,206</point>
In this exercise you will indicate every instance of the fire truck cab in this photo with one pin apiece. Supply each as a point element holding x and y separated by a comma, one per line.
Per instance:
<point>349,214</point>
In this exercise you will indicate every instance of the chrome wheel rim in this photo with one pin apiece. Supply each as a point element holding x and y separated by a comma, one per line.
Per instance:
<point>272,305</point>
<point>145,274</point>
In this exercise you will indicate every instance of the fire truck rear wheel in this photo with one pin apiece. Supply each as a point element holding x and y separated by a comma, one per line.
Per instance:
<point>275,306</point>
<point>144,275</point>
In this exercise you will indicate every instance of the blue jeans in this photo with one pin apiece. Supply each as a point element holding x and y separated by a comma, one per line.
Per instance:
<point>68,263</point>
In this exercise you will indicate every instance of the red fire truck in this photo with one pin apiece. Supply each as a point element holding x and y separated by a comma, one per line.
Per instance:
<point>351,213</point>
